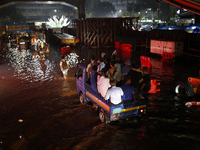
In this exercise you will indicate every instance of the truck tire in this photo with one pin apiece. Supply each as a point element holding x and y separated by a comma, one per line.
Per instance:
<point>103,117</point>
<point>81,98</point>
<point>95,106</point>
<point>184,89</point>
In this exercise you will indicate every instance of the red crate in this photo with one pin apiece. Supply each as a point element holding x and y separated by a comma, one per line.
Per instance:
<point>125,55</point>
<point>117,45</point>
<point>65,50</point>
<point>126,47</point>
<point>145,61</point>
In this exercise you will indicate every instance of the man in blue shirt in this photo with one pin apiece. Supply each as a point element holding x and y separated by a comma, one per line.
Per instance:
<point>93,78</point>
<point>126,68</point>
<point>129,92</point>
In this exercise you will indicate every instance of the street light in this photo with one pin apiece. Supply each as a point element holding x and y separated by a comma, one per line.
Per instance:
<point>158,9</point>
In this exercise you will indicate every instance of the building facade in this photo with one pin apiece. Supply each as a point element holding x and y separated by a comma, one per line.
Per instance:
<point>36,12</point>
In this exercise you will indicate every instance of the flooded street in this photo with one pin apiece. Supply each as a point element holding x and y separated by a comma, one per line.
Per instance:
<point>39,110</point>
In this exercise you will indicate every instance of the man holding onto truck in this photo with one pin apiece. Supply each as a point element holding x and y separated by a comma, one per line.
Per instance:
<point>129,92</point>
<point>90,65</point>
<point>145,84</point>
<point>114,93</point>
<point>136,76</point>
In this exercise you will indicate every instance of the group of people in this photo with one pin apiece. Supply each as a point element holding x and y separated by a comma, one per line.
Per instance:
<point>118,82</point>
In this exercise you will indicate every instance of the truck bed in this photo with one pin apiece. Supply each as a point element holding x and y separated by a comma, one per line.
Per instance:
<point>122,110</point>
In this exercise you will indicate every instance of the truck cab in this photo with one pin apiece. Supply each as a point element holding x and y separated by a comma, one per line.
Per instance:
<point>107,111</point>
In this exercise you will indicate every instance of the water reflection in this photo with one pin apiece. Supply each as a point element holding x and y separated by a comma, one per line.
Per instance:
<point>52,117</point>
<point>31,67</point>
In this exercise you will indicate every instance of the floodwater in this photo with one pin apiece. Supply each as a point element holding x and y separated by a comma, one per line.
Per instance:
<point>39,110</point>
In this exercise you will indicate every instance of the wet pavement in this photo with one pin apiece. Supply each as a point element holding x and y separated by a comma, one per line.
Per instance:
<point>41,111</point>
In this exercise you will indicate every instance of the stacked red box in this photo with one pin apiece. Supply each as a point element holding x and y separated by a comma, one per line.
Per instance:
<point>65,50</point>
<point>125,55</point>
<point>117,45</point>
<point>124,51</point>
<point>126,47</point>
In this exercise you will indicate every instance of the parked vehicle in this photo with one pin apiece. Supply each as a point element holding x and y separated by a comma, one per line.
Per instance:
<point>188,88</point>
<point>107,112</point>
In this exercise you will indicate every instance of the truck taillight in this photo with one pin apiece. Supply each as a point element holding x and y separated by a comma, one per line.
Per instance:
<point>143,111</point>
<point>115,116</point>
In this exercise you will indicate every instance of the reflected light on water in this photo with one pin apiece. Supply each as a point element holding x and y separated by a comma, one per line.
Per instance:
<point>32,70</point>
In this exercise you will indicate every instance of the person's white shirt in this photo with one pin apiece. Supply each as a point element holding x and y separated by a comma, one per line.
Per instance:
<point>114,94</point>
<point>103,84</point>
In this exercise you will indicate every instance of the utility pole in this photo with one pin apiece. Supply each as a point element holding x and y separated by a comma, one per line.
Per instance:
<point>158,10</point>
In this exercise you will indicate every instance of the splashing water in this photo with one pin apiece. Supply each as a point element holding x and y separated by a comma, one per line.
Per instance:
<point>29,69</point>
<point>72,58</point>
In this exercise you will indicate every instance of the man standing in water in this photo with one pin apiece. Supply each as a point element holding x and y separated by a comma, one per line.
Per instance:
<point>64,66</point>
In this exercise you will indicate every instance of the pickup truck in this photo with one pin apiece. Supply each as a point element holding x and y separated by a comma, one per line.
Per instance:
<point>107,112</point>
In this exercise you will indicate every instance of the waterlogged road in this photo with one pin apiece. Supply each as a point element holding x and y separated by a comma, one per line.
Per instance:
<point>41,111</point>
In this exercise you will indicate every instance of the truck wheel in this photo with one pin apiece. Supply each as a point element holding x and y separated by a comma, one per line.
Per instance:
<point>81,98</point>
<point>103,117</point>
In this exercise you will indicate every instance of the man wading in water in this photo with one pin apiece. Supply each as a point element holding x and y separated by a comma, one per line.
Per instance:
<point>64,66</point>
